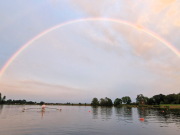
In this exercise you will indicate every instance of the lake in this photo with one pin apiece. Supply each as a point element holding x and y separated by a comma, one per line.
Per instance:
<point>86,120</point>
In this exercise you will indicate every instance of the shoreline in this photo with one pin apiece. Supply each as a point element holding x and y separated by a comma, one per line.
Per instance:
<point>162,106</point>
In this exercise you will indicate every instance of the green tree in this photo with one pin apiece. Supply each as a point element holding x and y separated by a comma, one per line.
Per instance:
<point>146,99</point>
<point>150,101</point>
<point>41,103</point>
<point>139,98</point>
<point>0,99</point>
<point>3,100</point>
<point>117,101</point>
<point>177,98</point>
<point>126,100</point>
<point>158,98</point>
<point>161,102</point>
<point>170,99</point>
<point>106,102</point>
<point>102,102</point>
<point>9,101</point>
<point>95,102</point>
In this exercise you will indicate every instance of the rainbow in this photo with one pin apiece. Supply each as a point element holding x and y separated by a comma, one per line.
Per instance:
<point>138,27</point>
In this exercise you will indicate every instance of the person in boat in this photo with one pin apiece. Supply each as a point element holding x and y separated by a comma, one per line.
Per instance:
<point>43,106</point>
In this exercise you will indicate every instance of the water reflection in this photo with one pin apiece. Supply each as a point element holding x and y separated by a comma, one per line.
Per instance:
<point>162,116</point>
<point>95,112</point>
<point>106,113</point>
<point>42,113</point>
<point>100,120</point>
<point>124,114</point>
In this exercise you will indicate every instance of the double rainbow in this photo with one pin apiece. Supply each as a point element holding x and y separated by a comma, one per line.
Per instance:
<point>170,46</point>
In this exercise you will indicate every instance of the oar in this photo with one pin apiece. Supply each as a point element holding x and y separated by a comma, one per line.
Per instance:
<point>40,108</point>
<point>31,108</point>
<point>53,108</point>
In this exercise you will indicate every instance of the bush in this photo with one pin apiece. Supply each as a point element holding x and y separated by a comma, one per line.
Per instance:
<point>156,105</point>
<point>120,105</point>
<point>106,102</point>
<point>134,103</point>
<point>41,103</point>
<point>161,102</point>
<point>95,102</point>
<point>117,102</point>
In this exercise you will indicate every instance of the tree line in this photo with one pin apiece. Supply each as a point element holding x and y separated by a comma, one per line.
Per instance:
<point>154,100</point>
<point>108,102</point>
<point>159,99</point>
<point>10,101</point>
<point>2,99</point>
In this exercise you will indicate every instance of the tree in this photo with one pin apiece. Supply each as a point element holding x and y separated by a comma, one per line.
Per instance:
<point>158,98</point>
<point>177,98</point>
<point>95,102</point>
<point>139,98</point>
<point>161,102</point>
<point>106,102</point>
<point>146,99</point>
<point>170,99</point>
<point>126,100</point>
<point>2,100</point>
<point>117,101</point>
<point>41,103</point>
<point>102,102</point>
<point>150,101</point>
<point>9,101</point>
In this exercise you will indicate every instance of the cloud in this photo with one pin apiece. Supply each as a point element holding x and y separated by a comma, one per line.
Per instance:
<point>160,16</point>
<point>47,85</point>
<point>159,5</point>
<point>30,89</point>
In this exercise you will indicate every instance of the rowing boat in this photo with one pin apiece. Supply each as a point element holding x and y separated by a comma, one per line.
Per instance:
<point>42,110</point>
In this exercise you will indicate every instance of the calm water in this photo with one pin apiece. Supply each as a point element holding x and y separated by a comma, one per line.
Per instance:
<point>77,120</point>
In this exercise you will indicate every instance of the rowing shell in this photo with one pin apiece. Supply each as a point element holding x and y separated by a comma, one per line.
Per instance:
<point>42,110</point>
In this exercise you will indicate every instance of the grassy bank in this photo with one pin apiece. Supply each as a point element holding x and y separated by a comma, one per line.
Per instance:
<point>170,106</point>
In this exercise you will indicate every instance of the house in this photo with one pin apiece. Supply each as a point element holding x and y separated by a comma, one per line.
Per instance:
<point>142,102</point>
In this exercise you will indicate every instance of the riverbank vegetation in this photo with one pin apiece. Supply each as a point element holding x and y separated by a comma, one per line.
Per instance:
<point>141,100</point>
<point>2,99</point>
<point>159,100</point>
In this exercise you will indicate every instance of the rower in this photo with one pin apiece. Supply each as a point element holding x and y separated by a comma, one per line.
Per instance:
<point>43,106</point>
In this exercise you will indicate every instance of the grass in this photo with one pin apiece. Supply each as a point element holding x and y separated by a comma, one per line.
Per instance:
<point>169,104</point>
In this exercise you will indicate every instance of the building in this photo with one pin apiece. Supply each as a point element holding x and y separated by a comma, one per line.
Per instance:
<point>142,102</point>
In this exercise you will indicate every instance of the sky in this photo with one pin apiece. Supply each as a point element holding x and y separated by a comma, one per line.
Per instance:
<point>87,49</point>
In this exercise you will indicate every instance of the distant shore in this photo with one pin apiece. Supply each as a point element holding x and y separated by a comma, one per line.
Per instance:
<point>164,106</point>
<point>167,106</point>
